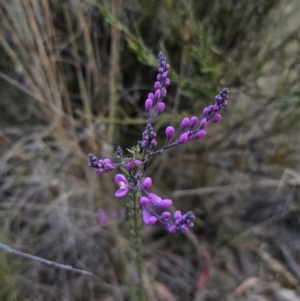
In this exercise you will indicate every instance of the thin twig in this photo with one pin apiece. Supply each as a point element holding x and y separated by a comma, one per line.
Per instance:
<point>44,261</point>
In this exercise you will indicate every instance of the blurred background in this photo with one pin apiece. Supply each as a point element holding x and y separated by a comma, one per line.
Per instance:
<point>74,76</point>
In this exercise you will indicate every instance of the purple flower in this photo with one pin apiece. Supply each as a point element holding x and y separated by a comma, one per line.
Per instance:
<point>154,199</point>
<point>157,85</point>
<point>123,186</point>
<point>138,162</point>
<point>165,204</point>
<point>217,117</point>
<point>128,165</point>
<point>165,215</point>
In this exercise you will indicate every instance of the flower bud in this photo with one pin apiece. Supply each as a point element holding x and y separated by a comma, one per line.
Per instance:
<point>165,204</point>
<point>148,104</point>
<point>171,228</point>
<point>128,166</point>
<point>147,183</point>
<point>183,138</point>
<point>157,94</point>
<point>144,201</point>
<point>217,117</point>
<point>205,112</point>
<point>160,107</point>
<point>167,82</point>
<point>165,215</point>
<point>138,162</point>
<point>151,96</point>
<point>193,121</point>
<point>216,107</point>
<point>184,123</point>
<point>200,134</point>
<point>203,123</point>
<point>157,85</point>
<point>184,228</point>
<point>170,132</point>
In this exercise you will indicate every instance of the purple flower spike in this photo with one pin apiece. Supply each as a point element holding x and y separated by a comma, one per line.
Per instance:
<point>165,204</point>
<point>160,107</point>
<point>148,104</point>
<point>165,215</point>
<point>147,183</point>
<point>144,201</point>
<point>217,117</point>
<point>170,132</point>
<point>184,123</point>
<point>193,121</point>
<point>157,85</point>
<point>200,134</point>
<point>151,96</point>
<point>123,186</point>
<point>148,219</point>
<point>183,138</point>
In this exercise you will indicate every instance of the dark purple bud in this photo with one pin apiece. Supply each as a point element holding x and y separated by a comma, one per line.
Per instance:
<point>160,107</point>
<point>144,201</point>
<point>165,204</point>
<point>217,117</point>
<point>203,123</point>
<point>210,109</point>
<point>151,96</point>
<point>158,76</point>
<point>157,85</point>
<point>200,134</point>
<point>147,183</point>
<point>170,132</point>
<point>148,104</point>
<point>183,138</point>
<point>193,121</point>
<point>157,94</point>
<point>184,123</point>
<point>167,82</point>
<point>165,215</point>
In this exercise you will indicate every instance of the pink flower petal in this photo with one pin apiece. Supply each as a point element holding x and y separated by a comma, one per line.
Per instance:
<point>121,192</point>
<point>120,178</point>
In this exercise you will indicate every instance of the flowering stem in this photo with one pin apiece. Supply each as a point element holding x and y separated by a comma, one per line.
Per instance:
<point>136,242</point>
